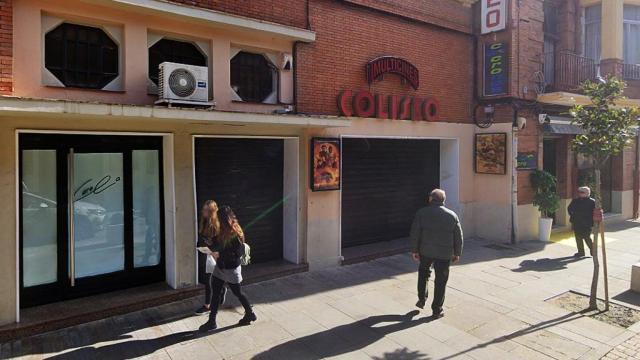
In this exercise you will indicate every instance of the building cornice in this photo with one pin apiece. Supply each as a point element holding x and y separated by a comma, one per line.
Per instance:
<point>26,107</point>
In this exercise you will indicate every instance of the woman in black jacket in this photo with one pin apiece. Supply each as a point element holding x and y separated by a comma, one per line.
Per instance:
<point>228,268</point>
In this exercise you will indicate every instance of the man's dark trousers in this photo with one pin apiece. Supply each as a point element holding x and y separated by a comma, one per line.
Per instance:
<point>441,268</point>
<point>583,236</point>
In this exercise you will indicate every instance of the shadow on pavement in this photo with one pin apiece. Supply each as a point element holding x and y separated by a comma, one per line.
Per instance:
<point>628,297</point>
<point>529,330</point>
<point>135,348</point>
<point>547,264</point>
<point>402,354</point>
<point>347,338</point>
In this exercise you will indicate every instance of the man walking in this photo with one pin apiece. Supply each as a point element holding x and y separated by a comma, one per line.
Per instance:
<point>436,237</point>
<point>581,217</point>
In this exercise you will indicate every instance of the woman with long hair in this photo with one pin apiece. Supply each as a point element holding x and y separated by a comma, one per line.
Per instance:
<point>228,268</point>
<point>208,232</point>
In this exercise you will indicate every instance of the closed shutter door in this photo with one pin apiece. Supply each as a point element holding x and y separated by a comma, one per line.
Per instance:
<point>246,174</point>
<point>385,181</point>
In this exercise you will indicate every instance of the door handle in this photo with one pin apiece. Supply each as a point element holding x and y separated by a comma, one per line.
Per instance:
<point>71,209</point>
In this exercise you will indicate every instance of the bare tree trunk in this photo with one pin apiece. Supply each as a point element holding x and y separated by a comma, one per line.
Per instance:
<point>593,304</point>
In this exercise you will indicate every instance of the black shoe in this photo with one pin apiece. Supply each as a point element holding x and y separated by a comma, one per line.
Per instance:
<point>223,295</point>
<point>203,310</point>
<point>437,314</point>
<point>208,326</point>
<point>578,255</point>
<point>248,319</point>
<point>420,304</point>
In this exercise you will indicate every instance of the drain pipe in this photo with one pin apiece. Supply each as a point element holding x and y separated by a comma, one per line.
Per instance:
<point>636,183</point>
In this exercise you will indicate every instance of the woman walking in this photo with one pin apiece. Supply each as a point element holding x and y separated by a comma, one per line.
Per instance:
<point>231,249</point>
<point>208,231</point>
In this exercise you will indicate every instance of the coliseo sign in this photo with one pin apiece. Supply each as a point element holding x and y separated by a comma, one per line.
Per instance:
<point>365,104</point>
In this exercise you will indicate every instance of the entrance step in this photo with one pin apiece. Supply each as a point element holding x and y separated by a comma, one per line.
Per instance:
<point>362,253</point>
<point>54,316</point>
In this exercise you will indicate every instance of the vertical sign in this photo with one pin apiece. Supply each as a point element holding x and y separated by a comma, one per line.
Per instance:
<point>494,15</point>
<point>495,74</point>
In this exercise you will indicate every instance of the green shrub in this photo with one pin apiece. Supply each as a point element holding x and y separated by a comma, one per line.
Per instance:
<point>546,197</point>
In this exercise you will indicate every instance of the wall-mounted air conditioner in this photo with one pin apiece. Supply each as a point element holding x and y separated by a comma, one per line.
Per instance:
<point>183,84</point>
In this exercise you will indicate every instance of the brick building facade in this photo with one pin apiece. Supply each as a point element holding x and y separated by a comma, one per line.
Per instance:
<point>284,81</point>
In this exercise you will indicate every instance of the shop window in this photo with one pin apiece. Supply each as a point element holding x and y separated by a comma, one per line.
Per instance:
<point>631,34</point>
<point>592,32</point>
<point>181,52</point>
<point>253,77</point>
<point>81,56</point>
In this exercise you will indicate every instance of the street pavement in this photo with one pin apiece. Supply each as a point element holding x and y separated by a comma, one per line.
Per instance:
<point>495,308</point>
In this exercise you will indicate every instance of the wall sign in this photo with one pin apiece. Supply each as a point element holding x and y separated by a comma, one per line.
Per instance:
<point>325,164</point>
<point>365,104</point>
<point>495,75</point>
<point>494,15</point>
<point>527,161</point>
<point>390,64</point>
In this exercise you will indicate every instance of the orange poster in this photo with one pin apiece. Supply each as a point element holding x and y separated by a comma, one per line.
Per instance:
<point>325,167</point>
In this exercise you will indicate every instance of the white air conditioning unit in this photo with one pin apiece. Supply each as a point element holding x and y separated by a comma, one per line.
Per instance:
<point>183,84</point>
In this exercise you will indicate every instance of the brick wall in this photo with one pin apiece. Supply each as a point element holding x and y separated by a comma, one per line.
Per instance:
<point>528,140</point>
<point>445,13</point>
<point>286,12</point>
<point>348,36</point>
<point>6,47</point>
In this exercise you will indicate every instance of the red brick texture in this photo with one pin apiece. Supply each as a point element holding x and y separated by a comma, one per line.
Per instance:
<point>286,12</point>
<point>445,13</point>
<point>348,36</point>
<point>6,47</point>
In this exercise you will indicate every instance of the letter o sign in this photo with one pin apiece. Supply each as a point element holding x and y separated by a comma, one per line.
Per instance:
<point>431,109</point>
<point>364,104</point>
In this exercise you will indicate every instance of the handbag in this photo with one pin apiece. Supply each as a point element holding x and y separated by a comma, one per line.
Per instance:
<point>245,259</point>
<point>210,265</point>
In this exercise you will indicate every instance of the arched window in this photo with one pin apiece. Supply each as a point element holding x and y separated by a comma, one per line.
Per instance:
<point>81,56</point>
<point>253,77</point>
<point>182,52</point>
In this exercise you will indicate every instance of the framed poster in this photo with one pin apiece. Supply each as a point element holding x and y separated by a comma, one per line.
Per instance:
<point>491,153</point>
<point>325,164</point>
<point>495,74</point>
<point>527,160</point>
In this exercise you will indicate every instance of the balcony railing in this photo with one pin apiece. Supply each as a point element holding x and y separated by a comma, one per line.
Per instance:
<point>631,72</point>
<point>565,71</point>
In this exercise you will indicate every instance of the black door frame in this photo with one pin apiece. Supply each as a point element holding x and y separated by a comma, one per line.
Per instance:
<point>85,143</point>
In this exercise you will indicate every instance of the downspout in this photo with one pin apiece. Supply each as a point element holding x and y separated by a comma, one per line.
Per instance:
<point>636,183</point>
<point>295,60</point>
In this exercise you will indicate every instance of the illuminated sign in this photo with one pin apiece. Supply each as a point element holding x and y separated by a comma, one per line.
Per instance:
<point>494,15</point>
<point>495,74</point>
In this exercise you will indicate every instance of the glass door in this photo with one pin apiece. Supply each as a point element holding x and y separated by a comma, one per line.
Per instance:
<point>90,216</point>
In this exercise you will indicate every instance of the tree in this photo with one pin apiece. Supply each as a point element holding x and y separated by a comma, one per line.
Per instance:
<point>607,130</point>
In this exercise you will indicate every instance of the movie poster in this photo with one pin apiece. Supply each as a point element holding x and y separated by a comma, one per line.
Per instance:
<point>491,153</point>
<point>325,165</point>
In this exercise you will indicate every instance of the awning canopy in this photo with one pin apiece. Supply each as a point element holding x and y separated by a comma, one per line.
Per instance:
<point>562,129</point>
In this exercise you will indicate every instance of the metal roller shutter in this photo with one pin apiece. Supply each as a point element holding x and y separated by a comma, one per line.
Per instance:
<point>385,181</point>
<point>246,174</point>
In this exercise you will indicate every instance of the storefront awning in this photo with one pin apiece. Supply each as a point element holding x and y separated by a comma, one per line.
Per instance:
<point>561,129</point>
<point>27,107</point>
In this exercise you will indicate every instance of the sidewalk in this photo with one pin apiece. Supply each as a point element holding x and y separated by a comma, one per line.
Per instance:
<point>495,309</point>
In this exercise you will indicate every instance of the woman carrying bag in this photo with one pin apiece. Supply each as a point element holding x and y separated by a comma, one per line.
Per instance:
<point>231,253</point>
<point>208,231</point>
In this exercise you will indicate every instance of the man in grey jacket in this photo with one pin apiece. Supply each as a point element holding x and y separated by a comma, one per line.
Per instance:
<point>436,237</point>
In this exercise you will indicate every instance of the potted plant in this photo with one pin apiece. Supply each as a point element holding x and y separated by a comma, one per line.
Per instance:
<point>546,199</point>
